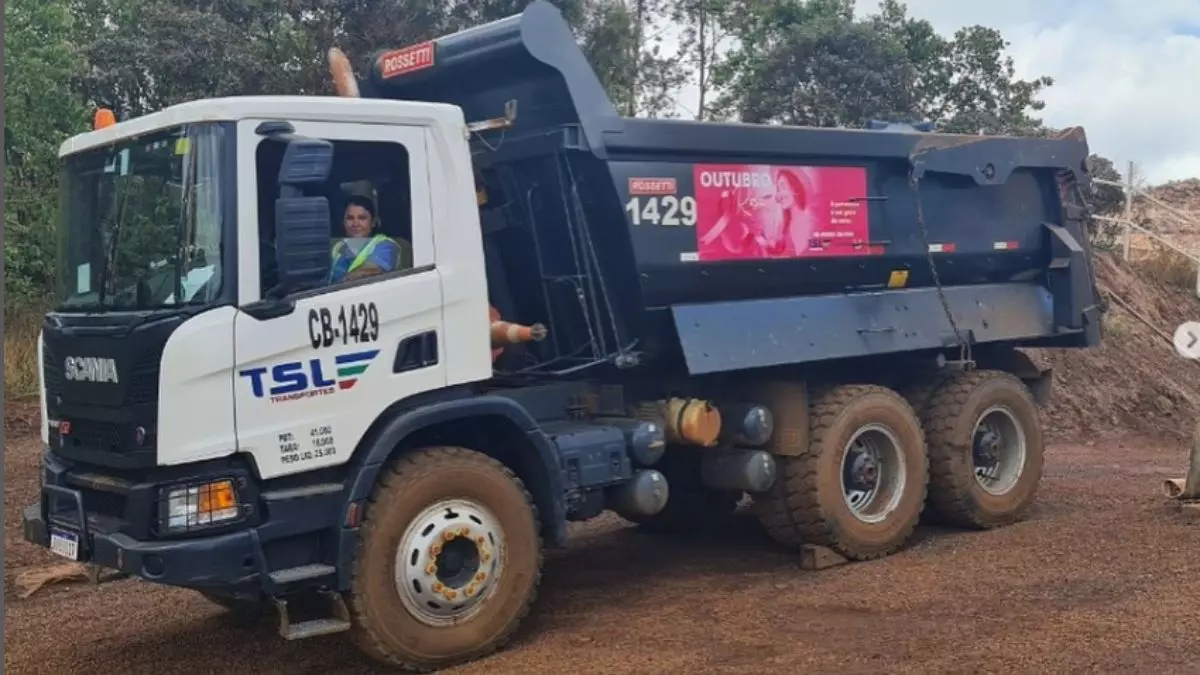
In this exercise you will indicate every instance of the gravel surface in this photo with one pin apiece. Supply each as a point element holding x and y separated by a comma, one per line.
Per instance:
<point>1100,579</point>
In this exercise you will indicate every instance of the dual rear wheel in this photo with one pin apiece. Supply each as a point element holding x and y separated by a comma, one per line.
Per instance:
<point>965,449</point>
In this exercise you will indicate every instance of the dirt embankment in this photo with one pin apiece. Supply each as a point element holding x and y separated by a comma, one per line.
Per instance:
<point>1134,383</point>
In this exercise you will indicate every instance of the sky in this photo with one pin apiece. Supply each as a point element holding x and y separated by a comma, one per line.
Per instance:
<point>1127,71</point>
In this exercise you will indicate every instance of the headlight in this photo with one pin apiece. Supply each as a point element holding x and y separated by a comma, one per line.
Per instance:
<point>191,507</point>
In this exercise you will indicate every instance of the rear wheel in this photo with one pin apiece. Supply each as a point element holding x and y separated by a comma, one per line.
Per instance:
<point>449,560</point>
<point>985,449</point>
<point>860,488</point>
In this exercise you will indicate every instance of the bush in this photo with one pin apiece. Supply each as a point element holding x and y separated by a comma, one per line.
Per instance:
<point>1169,267</point>
<point>21,327</point>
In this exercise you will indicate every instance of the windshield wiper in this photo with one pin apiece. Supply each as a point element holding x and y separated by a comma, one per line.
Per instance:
<point>111,254</point>
<point>182,258</point>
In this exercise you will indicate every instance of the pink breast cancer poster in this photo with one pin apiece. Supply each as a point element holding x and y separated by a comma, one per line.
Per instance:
<point>756,211</point>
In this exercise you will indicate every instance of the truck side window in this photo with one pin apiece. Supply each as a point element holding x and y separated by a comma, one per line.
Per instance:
<point>370,202</point>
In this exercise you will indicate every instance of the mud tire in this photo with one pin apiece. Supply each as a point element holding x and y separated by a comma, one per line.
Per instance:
<point>949,418</point>
<point>381,625</point>
<point>806,504</point>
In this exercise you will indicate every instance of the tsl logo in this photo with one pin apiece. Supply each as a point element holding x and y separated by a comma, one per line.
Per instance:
<point>293,380</point>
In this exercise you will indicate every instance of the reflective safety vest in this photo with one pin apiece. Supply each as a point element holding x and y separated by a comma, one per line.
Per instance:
<point>345,262</point>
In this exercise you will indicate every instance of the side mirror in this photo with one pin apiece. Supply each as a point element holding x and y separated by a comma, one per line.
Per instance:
<point>302,240</point>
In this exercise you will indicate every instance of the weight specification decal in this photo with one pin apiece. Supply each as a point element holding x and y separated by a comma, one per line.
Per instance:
<point>355,323</point>
<point>749,212</point>
<point>320,445</point>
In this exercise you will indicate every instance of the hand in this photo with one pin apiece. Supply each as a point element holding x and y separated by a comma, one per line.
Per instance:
<point>367,270</point>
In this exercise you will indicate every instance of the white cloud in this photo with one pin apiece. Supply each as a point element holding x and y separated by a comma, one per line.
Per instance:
<point>1128,71</point>
<point>1123,69</point>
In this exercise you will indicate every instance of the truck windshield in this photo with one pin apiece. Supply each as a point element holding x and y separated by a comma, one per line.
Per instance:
<point>142,223</point>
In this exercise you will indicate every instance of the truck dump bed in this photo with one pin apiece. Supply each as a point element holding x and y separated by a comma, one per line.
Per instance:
<point>732,246</point>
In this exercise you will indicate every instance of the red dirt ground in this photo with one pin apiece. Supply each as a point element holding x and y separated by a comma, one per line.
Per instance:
<point>1099,579</point>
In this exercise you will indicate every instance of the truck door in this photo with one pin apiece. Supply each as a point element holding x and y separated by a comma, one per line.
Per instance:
<point>309,383</point>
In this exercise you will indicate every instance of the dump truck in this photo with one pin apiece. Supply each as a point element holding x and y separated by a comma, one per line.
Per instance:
<point>663,319</point>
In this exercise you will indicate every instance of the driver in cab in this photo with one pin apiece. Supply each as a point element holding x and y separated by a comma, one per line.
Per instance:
<point>364,251</point>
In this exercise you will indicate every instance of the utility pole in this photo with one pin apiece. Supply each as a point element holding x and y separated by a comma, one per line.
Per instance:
<point>1128,210</point>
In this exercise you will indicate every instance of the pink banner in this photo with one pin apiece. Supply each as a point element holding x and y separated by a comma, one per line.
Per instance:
<point>748,211</point>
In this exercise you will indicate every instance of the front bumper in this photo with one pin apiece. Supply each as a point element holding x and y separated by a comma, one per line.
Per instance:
<point>111,520</point>
<point>224,561</point>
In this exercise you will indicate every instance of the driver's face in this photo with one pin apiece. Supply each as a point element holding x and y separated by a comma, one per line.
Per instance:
<point>357,221</point>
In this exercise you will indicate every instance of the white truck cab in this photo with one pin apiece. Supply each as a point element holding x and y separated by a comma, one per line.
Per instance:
<point>285,357</point>
<point>220,411</point>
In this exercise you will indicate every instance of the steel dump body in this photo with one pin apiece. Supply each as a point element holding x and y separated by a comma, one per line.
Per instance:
<point>723,247</point>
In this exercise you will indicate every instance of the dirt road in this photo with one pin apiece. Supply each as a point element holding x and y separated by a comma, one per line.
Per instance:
<point>1103,578</point>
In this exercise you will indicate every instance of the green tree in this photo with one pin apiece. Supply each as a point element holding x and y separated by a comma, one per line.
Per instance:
<point>984,95</point>
<point>706,29</point>
<point>815,63</point>
<point>1103,200</point>
<point>41,110</point>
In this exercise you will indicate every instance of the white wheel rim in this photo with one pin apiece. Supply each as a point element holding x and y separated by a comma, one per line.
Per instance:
<point>449,562</point>
<point>874,473</point>
<point>998,450</point>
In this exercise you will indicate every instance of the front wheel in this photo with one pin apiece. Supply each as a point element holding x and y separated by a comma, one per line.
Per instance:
<point>449,560</point>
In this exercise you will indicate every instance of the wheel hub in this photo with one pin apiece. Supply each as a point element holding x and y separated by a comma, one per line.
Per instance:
<point>448,561</point>
<point>998,450</point>
<point>864,471</point>
<point>873,473</point>
<point>987,446</point>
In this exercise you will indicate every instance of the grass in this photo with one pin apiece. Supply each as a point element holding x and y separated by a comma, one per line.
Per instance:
<point>1118,326</point>
<point>1169,267</point>
<point>21,326</point>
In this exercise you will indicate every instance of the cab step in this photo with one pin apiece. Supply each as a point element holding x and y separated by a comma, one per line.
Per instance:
<point>292,575</point>
<point>300,630</point>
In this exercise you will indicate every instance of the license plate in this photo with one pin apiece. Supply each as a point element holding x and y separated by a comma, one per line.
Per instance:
<point>65,544</point>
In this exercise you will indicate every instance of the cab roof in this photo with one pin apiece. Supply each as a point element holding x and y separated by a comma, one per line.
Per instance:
<point>293,108</point>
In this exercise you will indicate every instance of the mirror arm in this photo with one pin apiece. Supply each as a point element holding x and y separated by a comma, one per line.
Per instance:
<point>269,308</point>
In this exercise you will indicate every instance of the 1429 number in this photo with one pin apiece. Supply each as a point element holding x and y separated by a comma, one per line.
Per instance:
<point>356,323</point>
<point>666,210</point>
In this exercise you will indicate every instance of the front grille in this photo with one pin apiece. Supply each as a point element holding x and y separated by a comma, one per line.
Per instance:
<point>143,381</point>
<point>104,504</point>
<point>143,377</point>
<point>109,436</point>
<point>51,372</point>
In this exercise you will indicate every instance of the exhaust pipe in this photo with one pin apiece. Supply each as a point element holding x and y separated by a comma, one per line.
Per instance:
<point>342,72</point>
